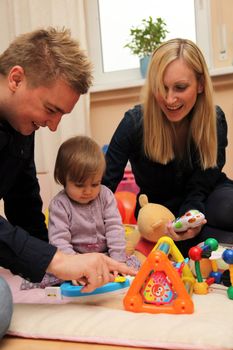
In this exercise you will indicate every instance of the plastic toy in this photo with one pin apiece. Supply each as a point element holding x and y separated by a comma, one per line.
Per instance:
<point>196,254</point>
<point>217,276</point>
<point>126,202</point>
<point>128,183</point>
<point>162,286</point>
<point>190,219</point>
<point>73,293</point>
<point>222,271</point>
<point>131,236</point>
<point>152,220</point>
<point>228,258</point>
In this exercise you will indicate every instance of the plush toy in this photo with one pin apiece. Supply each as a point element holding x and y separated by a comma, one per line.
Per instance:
<point>152,219</point>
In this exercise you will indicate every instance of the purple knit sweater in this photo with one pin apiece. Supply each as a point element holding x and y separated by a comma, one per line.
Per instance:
<point>84,228</point>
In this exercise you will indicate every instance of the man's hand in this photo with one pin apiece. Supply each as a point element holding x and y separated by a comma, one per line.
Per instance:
<point>95,269</point>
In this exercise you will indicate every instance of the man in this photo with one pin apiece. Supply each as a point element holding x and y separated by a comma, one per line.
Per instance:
<point>42,75</point>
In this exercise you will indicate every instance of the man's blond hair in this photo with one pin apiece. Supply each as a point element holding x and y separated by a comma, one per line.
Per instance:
<point>46,55</point>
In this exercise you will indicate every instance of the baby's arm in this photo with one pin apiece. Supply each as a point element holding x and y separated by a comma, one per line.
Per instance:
<point>115,232</point>
<point>59,227</point>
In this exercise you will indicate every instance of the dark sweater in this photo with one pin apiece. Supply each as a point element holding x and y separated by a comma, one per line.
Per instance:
<point>20,252</point>
<point>178,185</point>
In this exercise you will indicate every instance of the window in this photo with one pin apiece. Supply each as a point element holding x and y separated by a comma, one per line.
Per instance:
<point>115,56</point>
<point>109,23</point>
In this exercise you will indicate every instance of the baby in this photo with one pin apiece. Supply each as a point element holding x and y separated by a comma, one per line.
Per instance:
<point>84,217</point>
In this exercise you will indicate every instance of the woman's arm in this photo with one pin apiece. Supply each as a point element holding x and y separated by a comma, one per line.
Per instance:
<point>121,147</point>
<point>203,182</point>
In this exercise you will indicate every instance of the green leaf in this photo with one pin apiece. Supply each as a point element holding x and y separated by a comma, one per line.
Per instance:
<point>146,37</point>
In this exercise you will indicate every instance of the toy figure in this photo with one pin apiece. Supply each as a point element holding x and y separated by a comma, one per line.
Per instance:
<point>152,220</point>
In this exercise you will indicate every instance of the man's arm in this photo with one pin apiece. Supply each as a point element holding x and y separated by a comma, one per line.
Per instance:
<point>30,258</point>
<point>23,254</point>
<point>22,200</point>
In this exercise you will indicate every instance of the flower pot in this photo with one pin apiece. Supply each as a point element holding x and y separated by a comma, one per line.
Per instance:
<point>144,62</point>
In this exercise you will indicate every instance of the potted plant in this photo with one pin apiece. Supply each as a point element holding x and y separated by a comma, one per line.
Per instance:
<point>145,39</point>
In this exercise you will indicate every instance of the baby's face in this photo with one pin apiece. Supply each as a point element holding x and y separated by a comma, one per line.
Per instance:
<point>85,192</point>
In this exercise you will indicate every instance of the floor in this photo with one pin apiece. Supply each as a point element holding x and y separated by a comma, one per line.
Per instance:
<point>13,343</point>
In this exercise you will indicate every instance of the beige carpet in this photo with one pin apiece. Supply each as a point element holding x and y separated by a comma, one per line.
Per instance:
<point>106,322</point>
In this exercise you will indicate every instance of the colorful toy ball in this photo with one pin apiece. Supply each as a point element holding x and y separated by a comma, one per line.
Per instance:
<point>230,292</point>
<point>195,253</point>
<point>212,243</point>
<point>228,256</point>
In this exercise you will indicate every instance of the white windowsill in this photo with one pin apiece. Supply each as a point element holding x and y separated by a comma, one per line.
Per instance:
<point>221,71</point>
<point>117,85</point>
<point>140,82</point>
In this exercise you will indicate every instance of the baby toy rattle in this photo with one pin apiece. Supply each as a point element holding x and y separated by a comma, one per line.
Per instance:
<point>190,219</point>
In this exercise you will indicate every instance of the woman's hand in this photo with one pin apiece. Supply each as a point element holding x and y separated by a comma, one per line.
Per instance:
<point>93,269</point>
<point>182,236</point>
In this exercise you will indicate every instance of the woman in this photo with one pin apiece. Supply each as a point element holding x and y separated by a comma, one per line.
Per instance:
<point>176,141</point>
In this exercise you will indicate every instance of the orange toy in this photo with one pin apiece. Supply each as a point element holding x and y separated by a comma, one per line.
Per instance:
<point>126,202</point>
<point>160,285</point>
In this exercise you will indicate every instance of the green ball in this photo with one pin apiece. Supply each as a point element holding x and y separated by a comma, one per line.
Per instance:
<point>230,292</point>
<point>212,242</point>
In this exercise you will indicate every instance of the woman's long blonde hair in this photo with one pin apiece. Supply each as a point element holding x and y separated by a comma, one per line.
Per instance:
<point>158,131</point>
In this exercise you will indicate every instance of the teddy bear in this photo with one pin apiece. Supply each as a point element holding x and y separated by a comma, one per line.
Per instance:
<point>152,220</point>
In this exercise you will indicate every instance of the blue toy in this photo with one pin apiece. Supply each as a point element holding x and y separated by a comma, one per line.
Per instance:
<point>70,292</point>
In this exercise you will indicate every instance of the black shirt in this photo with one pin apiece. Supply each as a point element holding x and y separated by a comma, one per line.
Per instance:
<point>178,185</point>
<point>19,251</point>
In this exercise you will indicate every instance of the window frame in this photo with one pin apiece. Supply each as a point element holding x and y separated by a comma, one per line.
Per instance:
<point>131,77</point>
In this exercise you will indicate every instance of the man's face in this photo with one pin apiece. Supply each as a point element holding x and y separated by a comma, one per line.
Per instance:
<point>29,108</point>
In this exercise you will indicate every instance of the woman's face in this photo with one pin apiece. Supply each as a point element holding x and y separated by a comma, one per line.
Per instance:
<point>181,88</point>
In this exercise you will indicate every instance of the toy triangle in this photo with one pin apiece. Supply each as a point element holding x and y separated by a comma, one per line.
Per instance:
<point>162,286</point>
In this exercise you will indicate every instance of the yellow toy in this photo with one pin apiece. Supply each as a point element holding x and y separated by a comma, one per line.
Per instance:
<point>162,286</point>
<point>152,219</point>
<point>132,236</point>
